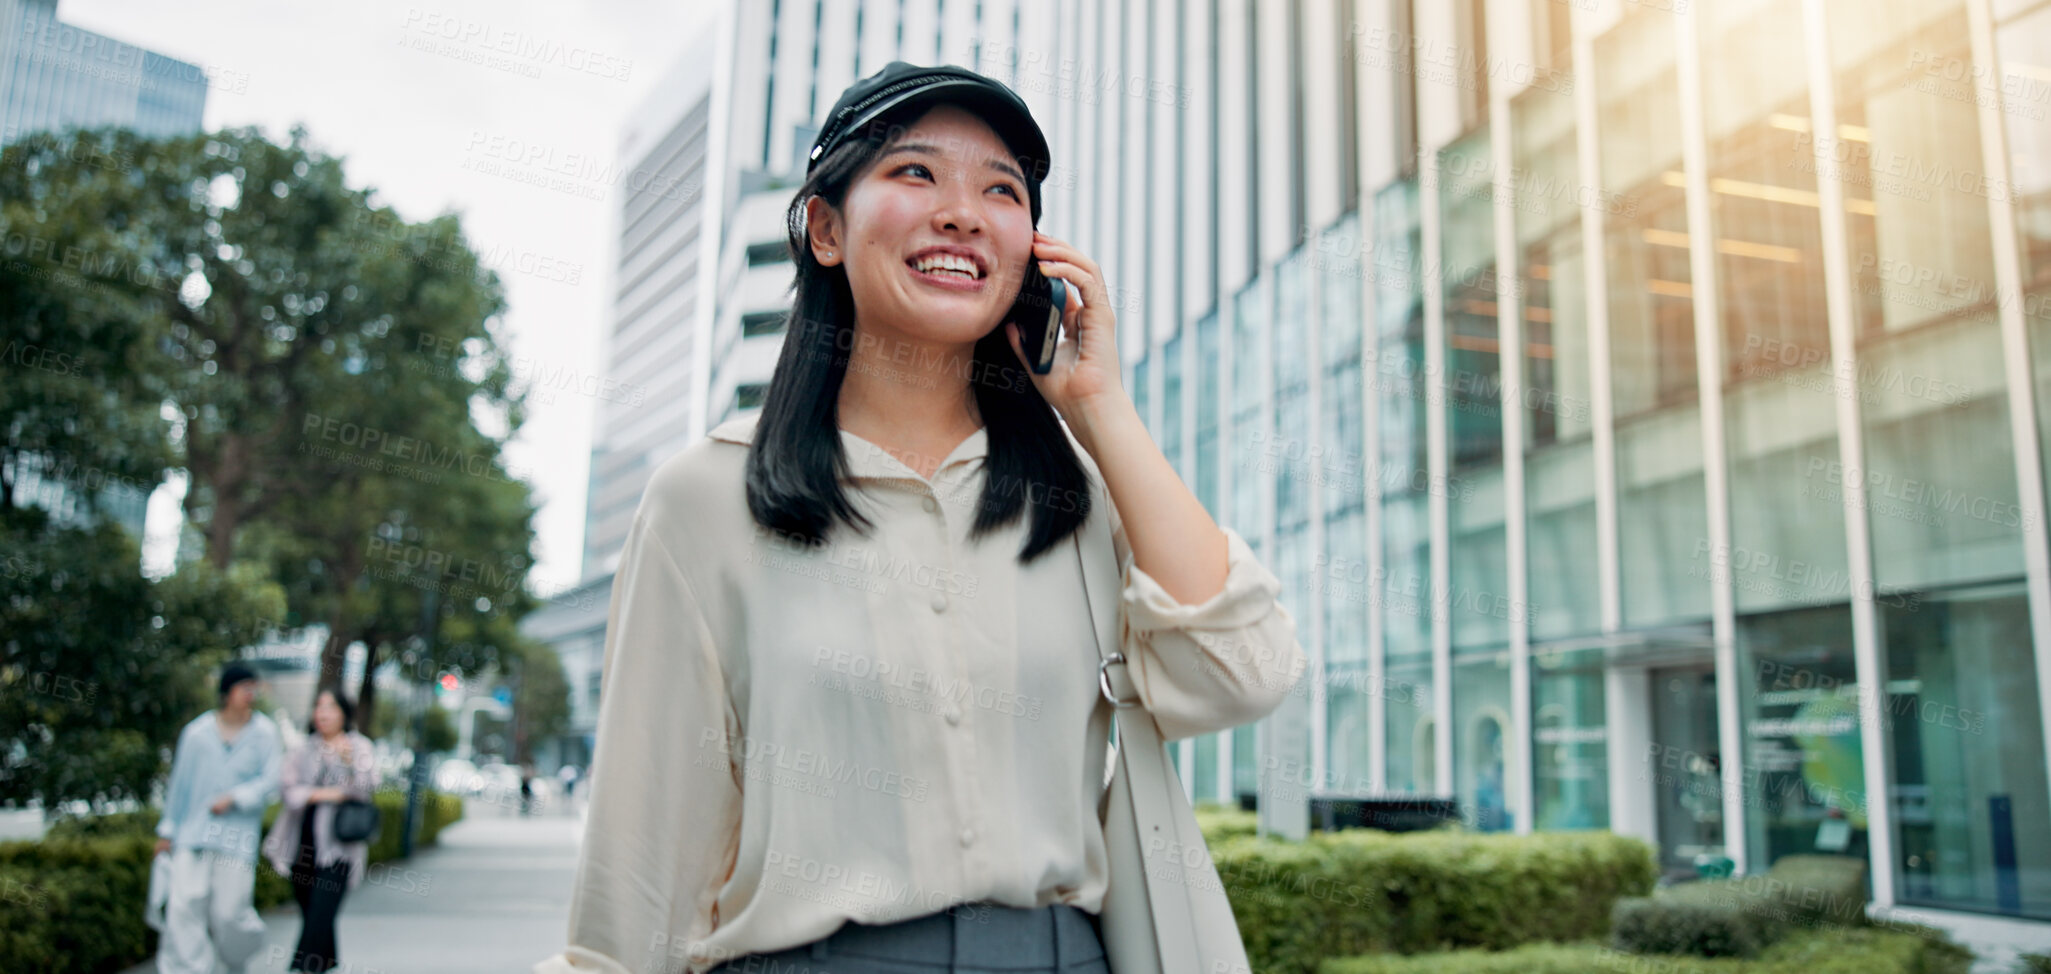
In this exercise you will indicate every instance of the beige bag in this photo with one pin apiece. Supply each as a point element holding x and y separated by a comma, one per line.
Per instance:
<point>1165,911</point>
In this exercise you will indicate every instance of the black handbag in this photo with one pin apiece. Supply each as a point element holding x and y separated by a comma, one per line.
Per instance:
<point>356,821</point>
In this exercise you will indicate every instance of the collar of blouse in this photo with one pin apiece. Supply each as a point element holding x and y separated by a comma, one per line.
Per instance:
<point>866,460</point>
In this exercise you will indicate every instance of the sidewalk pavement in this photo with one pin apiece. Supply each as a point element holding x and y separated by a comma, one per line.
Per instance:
<point>492,896</point>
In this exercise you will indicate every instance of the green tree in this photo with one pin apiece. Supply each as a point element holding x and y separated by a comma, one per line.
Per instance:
<point>99,666</point>
<point>313,361</point>
<point>541,697</point>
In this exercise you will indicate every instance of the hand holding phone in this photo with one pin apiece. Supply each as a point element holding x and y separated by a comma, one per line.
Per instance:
<point>1038,310</point>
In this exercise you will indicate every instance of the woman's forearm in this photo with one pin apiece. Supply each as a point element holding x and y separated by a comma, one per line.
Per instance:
<point>1173,539</point>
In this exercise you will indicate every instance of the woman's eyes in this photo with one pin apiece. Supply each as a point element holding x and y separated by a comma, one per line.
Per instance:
<point>908,167</point>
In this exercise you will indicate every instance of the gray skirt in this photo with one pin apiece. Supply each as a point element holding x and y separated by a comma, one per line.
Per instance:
<point>969,938</point>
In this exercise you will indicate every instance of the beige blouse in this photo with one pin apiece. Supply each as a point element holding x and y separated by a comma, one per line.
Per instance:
<point>878,728</point>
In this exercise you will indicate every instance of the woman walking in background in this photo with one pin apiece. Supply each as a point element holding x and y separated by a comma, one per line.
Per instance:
<point>334,764</point>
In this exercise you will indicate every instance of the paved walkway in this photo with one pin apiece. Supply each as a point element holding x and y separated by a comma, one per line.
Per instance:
<point>491,897</point>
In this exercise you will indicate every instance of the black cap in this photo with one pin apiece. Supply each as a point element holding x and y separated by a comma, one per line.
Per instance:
<point>900,85</point>
<point>234,673</point>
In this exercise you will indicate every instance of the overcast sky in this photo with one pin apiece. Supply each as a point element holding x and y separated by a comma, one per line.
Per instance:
<point>426,100</point>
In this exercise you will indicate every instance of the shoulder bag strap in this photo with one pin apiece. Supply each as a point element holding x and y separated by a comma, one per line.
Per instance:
<point>1141,753</point>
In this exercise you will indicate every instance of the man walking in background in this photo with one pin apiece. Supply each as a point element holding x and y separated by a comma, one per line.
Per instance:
<point>223,775</point>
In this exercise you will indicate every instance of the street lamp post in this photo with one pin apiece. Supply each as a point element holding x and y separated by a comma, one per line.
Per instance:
<point>417,778</point>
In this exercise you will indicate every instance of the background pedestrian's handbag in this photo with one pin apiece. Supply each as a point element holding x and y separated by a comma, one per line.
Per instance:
<point>355,821</point>
<point>1165,911</point>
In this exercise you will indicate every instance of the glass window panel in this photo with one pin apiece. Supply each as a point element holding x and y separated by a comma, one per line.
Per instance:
<point>1346,727</point>
<point>1787,539</point>
<point>1407,711</point>
<point>1246,350</point>
<point>1399,388</point>
<point>1481,741</point>
<point>2025,51</point>
<point>1142,395</point>
<point>1206,777</point>
<point>1397,382</point>
<point>1245,762</point>
<point>1210,389</point>
<point>1341,581</point>
<point>1662,518</point>
<point>1473,396</point>
<point>1940,479</point>
<point>1685,769</point>
<point>1559,496</point>
<point>1248,431</point>
<point>1803,764</point>
<point>1570,741</point>
<point>1342,574</point>
<point>1662,504</point>
<point>1972,807</point>
<point>1292,468</point>
<point>1338,262</point>
<point>1170,433</point>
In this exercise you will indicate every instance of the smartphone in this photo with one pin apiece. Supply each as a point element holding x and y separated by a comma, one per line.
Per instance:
<point>1038,313</point>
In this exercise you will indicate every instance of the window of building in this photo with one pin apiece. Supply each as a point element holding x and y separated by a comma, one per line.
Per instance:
<point>1397,381</point>
<point>749,395</point>
<point>1969,792</point>
<point>769,252</point>
<point>762,323</point>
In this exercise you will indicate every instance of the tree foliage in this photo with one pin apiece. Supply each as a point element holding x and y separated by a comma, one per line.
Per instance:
<point>331,378</point>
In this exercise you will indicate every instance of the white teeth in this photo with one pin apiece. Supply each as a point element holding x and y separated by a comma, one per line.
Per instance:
<point>945,263</point>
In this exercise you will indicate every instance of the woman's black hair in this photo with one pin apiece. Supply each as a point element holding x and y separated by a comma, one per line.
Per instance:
<point>796,466</point>
<point>341,700</point>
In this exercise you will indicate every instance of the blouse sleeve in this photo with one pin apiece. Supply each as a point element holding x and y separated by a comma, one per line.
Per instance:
<point>665,799</point>
<point>1227,661</point>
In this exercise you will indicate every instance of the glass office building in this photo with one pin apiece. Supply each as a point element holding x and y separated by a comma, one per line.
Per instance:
<point>56,76</point>
<point>1644,404</point>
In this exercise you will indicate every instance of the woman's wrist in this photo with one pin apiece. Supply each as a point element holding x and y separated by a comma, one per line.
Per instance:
<point>1104,419</point>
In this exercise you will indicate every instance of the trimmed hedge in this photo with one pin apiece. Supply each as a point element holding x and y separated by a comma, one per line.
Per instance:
<point>73,901</point>
<point>1898,950</point>
<point>1221,822</point>
<point>1362,891</point>
<point>1741,917</point>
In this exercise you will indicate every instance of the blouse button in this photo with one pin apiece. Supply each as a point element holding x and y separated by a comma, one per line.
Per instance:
<point>968,836</point>
<point>929,504</point>
<point>953,716</point>
<point>939,601</point>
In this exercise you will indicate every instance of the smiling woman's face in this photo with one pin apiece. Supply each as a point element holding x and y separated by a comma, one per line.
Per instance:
<point>946,195</point>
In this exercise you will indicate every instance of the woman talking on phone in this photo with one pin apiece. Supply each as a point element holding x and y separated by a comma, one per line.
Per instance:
<point>850,718</point>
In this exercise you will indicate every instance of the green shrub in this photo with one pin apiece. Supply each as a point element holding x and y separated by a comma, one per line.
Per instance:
<point>1906,950</point>
<point>1740,917</point>
<point>1362,891</point>
<point>2034,964</point>
<point>73,901</point>
<point>1221,822</point>
<point>1705,919</point>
